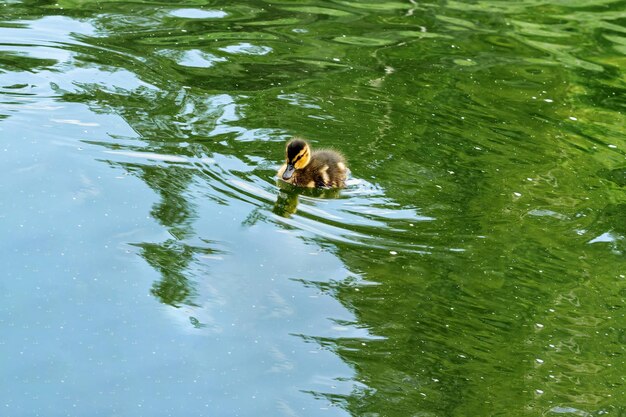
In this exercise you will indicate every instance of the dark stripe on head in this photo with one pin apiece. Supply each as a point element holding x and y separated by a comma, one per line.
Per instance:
<point>294,147</point>
<point>299,157</point>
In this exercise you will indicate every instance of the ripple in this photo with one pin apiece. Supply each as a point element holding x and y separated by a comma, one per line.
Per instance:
<point>199,13</point>
<point>387,38</point>
<point>246,48</point>
<point>194,58</point>
<point>487,165</point>
<point>299,99</point>
<point>318,10</point>
<point>362,216</point>
<point>150,156</point>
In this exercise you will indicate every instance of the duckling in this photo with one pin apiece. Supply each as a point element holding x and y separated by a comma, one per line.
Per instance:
<point>305,168</point>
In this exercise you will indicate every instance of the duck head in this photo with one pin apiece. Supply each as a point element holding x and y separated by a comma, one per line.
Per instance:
<point>298,156</point>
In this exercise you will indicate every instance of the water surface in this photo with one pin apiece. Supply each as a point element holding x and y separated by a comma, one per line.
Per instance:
<point>153,266</point>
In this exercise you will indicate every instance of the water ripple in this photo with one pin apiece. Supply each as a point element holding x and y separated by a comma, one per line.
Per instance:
<point>475,252</point>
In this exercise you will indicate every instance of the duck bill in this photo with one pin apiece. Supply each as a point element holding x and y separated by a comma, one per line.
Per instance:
<point>288,171</point>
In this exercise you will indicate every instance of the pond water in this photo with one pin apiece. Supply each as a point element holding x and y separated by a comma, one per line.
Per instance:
<point>152,265</point>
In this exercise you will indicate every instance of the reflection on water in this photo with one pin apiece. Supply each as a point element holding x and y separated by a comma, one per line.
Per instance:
<point>473,265</point>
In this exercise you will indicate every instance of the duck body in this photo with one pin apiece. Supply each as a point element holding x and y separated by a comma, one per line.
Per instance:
<point>313,169</point>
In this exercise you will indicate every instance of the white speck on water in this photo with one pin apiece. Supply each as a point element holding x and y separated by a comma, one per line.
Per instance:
<point>539,325</point>
<point>534,98</point>
<point>613,146</point>
<point>393,252</point>
<point>538,391</point>
<point>477,148</point>
<point>573,118</point>
<point>548,100</point>
<point>336,59</point>
<point>516,194</point>
<point>539,361</point>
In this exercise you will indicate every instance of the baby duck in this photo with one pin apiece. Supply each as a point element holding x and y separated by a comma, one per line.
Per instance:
<point>305,168</point>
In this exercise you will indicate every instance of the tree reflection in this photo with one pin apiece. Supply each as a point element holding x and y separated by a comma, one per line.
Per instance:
<point>456,327</point>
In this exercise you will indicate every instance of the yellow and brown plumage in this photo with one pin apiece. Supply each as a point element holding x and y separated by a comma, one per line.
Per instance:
<point>313,169</point>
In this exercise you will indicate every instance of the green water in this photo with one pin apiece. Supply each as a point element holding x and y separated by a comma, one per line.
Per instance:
<point>152,266</point>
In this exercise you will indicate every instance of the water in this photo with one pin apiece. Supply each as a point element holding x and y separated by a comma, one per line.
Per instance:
<point>153,266</point>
